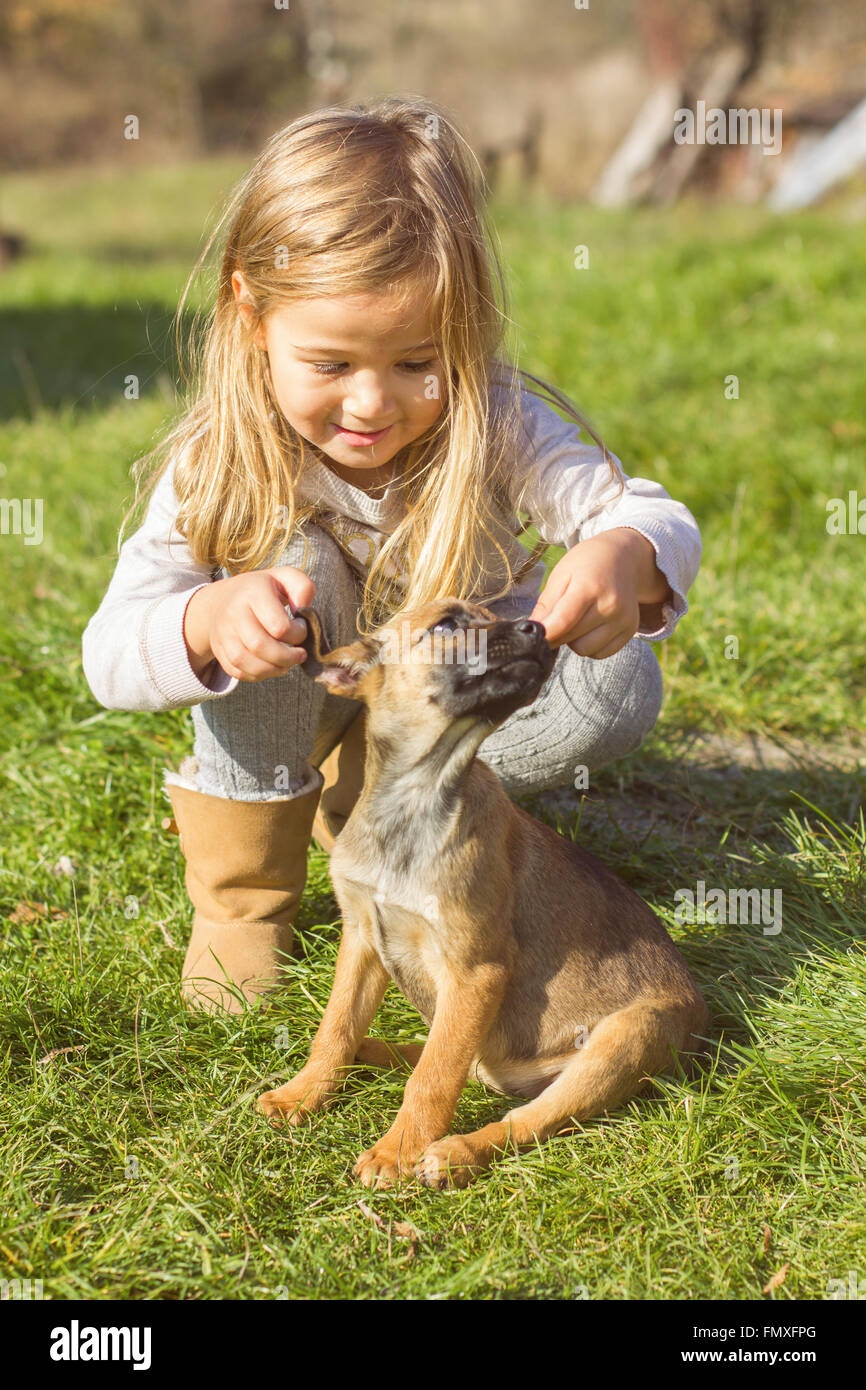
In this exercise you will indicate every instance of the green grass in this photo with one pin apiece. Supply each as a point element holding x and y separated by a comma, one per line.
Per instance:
<point>136,1165</point>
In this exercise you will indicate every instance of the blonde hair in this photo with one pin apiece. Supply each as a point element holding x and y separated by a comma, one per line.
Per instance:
<point>343,201</point>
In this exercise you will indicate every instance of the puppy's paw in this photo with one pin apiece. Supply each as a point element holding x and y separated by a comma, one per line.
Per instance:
<point>294,1102</point>
<point>450,1162</point>
<point>383,1166</point>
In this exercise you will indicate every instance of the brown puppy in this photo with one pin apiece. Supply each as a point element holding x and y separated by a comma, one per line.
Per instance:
<point>535,967</point>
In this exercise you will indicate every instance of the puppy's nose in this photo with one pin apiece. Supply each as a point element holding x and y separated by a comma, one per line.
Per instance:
<point>530,627</point>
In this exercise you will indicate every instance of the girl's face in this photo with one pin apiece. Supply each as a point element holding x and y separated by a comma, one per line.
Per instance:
<point>358,377</point>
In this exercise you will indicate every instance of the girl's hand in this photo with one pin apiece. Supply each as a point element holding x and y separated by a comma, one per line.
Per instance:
<point>593,595</point>
<point>242,623</point>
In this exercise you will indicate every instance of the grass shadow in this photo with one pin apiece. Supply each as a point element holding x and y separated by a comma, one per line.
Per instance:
<point>667,824</point>
<point>85,356</point>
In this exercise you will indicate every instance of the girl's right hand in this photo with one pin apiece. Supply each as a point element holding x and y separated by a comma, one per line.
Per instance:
<point>242,623</point>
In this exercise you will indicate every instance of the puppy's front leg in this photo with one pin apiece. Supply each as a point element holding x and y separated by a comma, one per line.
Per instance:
<point>465,1007</point>
<point>360,981</point>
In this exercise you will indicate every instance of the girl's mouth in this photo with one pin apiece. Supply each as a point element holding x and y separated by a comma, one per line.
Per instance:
<point>351,437</point>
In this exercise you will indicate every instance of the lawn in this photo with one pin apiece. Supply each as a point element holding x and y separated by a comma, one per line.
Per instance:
<point>134,1163</point>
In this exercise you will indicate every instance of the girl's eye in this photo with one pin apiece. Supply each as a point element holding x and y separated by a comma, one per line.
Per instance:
<point>333,368</point>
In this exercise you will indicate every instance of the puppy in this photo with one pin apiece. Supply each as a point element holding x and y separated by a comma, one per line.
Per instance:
<point>536,969</point>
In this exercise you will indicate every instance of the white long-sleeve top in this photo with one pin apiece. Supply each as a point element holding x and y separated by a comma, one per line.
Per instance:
<point>133,649</point>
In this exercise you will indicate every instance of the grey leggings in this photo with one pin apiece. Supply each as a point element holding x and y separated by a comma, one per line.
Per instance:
<point>268,738</point>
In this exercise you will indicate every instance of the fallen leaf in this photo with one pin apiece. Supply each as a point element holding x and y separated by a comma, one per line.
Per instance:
<point>372,1216</point>
<point>31,912</point>
<point>27,912</point>
<point>776,1280</point>
<point>167,937</point>
<point>404,1229</point>
<point>60,1052</point>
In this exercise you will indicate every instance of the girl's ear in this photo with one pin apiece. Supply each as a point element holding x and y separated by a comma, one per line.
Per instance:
<point>343,670</point>
<point>244,302</point>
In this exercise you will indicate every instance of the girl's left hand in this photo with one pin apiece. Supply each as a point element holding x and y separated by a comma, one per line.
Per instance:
<point>592,598</point>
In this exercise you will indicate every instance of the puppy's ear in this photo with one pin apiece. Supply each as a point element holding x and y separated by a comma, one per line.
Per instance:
<point>342,670</point>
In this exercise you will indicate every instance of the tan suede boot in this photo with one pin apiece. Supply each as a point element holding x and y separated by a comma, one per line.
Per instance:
<point>246,869</point>
<point>343,771</point>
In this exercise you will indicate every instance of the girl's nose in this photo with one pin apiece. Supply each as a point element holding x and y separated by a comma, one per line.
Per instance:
<point>367,399</point>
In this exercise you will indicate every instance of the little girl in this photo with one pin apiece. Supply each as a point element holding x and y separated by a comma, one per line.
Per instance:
<point>360,442</point>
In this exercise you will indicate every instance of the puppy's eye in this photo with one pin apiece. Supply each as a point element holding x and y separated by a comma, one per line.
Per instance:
<point>446,625</point>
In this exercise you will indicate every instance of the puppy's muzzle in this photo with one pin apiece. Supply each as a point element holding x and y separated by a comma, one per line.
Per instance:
<point>517,662</point>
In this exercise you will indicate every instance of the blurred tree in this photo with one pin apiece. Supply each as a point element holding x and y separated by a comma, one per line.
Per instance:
<point>544,85</point>
<point>201,74</point>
